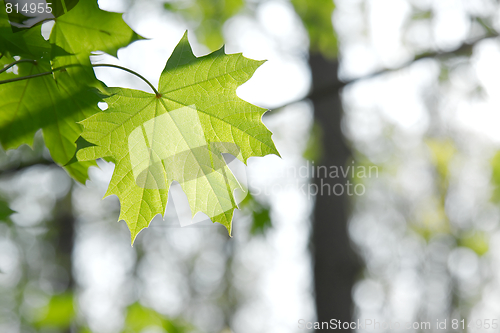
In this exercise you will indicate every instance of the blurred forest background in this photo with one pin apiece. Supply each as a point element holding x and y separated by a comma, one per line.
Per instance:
<point>407,86</point>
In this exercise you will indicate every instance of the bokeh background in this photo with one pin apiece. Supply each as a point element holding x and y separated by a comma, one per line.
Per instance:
<point>409,87</point>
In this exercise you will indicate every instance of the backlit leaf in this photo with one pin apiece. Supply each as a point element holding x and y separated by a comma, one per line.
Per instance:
<point>179,135</point>
<point>56,103</point>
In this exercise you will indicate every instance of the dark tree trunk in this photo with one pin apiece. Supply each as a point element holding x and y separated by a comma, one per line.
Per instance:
<point>62,237</point>
<point>335,264</point>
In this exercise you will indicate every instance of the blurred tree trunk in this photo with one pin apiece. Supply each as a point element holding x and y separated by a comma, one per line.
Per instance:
<point>335,264</point>
<point>64,236</point>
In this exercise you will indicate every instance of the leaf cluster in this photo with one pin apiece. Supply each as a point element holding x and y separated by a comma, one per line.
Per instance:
<point>178,133</point>
<point>56,103</point>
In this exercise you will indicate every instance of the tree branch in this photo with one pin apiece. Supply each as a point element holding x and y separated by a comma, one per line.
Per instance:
<point>15,63</point>
<point>158,95</point>
<point>322,92</point>
<point>25,165</point>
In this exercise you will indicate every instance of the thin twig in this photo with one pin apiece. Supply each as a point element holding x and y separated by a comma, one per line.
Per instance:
<point>131,72</point>
<point>15,63</point>
<point>64,67</point>
<point>25,165</point>
<point>320,92</point>
<point>25,77</point>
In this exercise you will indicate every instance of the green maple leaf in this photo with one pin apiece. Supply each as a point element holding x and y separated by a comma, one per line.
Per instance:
<point>86,29</point>
<point>57,103</point>
<point>28,43</point>
<point>179,135</point>
<point>42,102</point>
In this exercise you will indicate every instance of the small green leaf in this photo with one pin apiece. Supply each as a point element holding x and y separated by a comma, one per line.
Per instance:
<point>261,215</point>
<point>179,135</point>
<point>140,318</point>
<point>5,210</point>
<point>86,29</point>
<point>261,221</point>
<point>477,241</point>
<point>59,313</point>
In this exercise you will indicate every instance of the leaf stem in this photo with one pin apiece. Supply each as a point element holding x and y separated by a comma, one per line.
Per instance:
<point>25,77</point>
<point>63,68</point>
<point>15,63</point>
<point>131,72</point>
